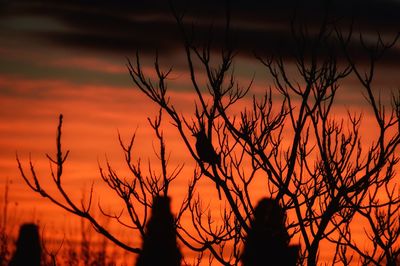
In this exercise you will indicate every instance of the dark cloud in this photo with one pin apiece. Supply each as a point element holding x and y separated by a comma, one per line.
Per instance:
<point>257,26</point>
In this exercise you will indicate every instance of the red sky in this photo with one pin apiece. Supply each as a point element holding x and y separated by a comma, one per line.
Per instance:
<point>66,59</point>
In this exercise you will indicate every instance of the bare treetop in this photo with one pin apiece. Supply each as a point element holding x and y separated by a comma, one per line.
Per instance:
<point>313,163</point>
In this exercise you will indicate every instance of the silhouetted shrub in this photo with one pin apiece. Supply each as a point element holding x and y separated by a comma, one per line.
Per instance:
<point>159,243</point>
<point>28,250</point>
<point>268,241</point>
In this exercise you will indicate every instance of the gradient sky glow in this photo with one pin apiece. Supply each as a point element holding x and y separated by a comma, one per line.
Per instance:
<point>69,57</point>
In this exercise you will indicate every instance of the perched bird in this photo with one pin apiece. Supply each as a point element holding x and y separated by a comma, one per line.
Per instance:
<point>206,151</point>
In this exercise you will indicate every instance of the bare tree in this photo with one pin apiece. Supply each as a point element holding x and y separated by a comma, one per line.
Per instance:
<point>314,164</point>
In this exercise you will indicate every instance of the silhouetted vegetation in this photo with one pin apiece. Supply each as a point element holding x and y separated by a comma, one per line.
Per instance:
<point>290,140</point>
<point>24,249</point>
<point>4,232</point>
<point>9,221</point>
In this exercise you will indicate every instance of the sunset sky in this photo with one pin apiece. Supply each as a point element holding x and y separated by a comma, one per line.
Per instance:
<point>70,57</point>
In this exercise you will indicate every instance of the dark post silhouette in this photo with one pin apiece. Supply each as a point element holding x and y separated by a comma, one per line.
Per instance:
<point>267,243</point>
<point>28,250</point>
<point>159,243</point>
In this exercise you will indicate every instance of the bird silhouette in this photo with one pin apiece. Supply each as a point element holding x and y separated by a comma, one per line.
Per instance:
<point>206,152</point>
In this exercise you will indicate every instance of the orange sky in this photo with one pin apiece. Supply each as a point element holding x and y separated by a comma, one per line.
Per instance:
<point>92,89</point>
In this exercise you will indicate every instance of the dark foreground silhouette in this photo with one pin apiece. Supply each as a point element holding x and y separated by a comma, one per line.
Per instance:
<point>268,241</point>
<point>28,250</point>
<point>159,243</point>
